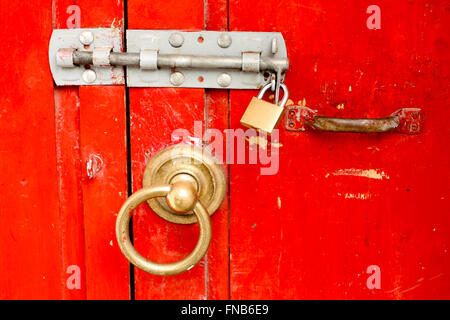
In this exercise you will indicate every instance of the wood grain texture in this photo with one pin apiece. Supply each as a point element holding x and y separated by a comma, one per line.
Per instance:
<point>103,134</point>
<point>30,263</point>
<point>310,232</point>
<point>92,121</point>
<point>68,158</point>
<point>338,204</point>
<point>155,114</point>
<point>217,118</point>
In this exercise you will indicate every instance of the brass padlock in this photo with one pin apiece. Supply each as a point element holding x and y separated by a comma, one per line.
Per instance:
<point>262,115</point>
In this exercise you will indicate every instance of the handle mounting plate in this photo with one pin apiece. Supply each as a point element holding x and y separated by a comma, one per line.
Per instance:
<point>182,159</point>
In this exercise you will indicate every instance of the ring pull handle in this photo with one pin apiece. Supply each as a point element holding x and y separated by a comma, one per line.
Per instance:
<point>406,120</point>
<point>181,197</point>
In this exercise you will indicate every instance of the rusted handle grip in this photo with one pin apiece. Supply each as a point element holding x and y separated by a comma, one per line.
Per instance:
<point>355,125</point>
<point>406,120</point>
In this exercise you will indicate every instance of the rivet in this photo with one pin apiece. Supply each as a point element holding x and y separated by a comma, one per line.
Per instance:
<point>89,76</point>
<point>224,40</point>
<point>176,78</point>
<point>224,80</point>
<point>176,40</point>
<point>86,37</point>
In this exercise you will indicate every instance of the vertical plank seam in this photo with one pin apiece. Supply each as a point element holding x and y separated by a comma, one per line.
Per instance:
<point>205,142</point>
<point>229,174</point>
<point>128,143</point>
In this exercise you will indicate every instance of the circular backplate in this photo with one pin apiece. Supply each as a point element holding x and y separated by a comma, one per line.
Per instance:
<point>186,159</point>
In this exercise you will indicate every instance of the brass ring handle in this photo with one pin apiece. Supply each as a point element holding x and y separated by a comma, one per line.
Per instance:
<point>174,193</point>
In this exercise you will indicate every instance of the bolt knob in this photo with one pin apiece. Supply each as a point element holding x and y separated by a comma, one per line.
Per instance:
<point>182,197</point>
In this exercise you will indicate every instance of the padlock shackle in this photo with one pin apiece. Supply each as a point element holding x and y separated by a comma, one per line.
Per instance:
<point>285,93</point>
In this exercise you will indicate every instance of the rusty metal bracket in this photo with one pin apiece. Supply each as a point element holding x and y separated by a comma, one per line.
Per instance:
<point>168,58</point>
<point>406,121</point>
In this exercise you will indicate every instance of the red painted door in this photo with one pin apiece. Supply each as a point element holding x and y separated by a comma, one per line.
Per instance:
<point>59,239</point>
<point>343,214</point>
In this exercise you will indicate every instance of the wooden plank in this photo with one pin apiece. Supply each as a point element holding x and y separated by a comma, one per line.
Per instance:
<point>217,111</point>
<point>103,136</point>
<point>343,202</point>
<point>152,122</point>
<point>30,264</point>
<point>67,120</point>
<point>155,114</point>
<point>88,207</point>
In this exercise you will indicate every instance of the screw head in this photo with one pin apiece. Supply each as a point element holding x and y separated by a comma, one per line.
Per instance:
<point>224,40</point>
<point>86,37</point>
<point>176,40</point>
<point>89,76</point>
<point>176,78</point>
<point>224,80</point>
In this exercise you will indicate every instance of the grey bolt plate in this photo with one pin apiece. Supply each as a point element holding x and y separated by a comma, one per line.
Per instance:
<point>70,38</point>
<point>241,42</point>
<point>159,40</point>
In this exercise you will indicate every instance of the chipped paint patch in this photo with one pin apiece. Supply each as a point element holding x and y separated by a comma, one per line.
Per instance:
<point>366,173</point>
<point>262,142</point>
<point>279,202</point>
<point>302,102</point>
<point>290,102</point>
<point>357,196</point>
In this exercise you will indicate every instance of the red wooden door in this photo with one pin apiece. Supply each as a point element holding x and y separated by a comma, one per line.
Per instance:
<point>339,203</point>
<point>60,241</point>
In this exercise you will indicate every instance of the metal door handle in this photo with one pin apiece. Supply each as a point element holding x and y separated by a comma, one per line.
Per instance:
<point>180,197</point>
<point>406,120</point>
<point>193,184</point>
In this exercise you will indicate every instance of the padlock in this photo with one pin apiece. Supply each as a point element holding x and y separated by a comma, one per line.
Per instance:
<point>262,115</point>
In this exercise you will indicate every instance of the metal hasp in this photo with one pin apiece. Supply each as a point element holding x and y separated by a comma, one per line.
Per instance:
<point>167,58</point>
